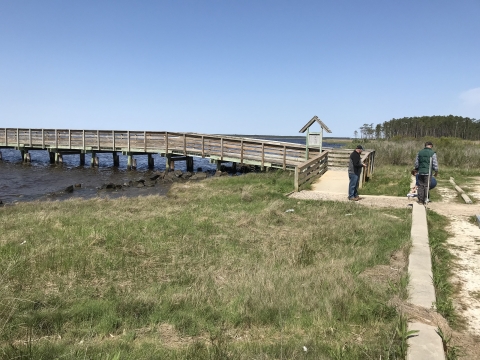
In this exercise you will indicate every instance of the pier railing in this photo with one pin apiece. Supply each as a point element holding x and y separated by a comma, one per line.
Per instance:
<point>314,168</point>
<point>311,170</point>
<point>266,153</point>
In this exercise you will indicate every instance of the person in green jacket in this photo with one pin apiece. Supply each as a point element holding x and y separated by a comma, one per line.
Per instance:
<point>422,167</point>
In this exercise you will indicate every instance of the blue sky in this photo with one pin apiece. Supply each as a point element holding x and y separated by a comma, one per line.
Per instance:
<point>236,67</point>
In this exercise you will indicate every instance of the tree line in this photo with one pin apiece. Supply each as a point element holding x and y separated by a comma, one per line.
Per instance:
<point>418,127</point>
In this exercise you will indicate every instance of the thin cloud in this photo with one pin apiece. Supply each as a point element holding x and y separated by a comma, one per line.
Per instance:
<point>471,97</point>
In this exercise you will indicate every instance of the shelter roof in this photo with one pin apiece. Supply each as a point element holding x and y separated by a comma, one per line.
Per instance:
<point>312,120</point>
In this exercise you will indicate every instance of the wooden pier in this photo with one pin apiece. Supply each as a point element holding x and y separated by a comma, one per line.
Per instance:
<point>308,163</point>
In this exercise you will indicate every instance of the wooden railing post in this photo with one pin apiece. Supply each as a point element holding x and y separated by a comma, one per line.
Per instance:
<point>296,179</point>
<point>56,139</point>
<point>241,151</point>
<point>128,140</point>
<point>113,140</point>
<point>203,146</point>
<point>98,139</point>
<point>221,148</point>
<point>43,139</point>
<point>18,139</point>
<point>166,142</point>
<point>30,137</point>
<point>263,156</point>
<point>145,141</point>
<point>83,139</point>
<point>185,144</point>
<point>69,138</point>
<point>284,157</point>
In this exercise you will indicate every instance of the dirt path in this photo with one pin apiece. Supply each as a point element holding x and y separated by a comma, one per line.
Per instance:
<point>464,244</point>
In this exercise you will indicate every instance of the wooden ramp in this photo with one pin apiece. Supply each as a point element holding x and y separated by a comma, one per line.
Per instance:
<point>333,182</point>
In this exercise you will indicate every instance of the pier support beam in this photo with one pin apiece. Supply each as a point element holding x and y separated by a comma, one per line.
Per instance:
<point>219,164</point>
<point>25,156</point>
<point>129,162</point>
<point>116,159</point>
<point>189,162</point>
<point>234,167</point>
<point>0,156</point>
<point>94,160</point>
<point>134,163</point>
<point>52,157</point>
<point>151,163</point>
<point>58,158</point>
<point>169,163</point>
<point>82,159</point>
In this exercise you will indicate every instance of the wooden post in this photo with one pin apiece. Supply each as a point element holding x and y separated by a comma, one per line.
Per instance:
<point>134,163</point>
<point>296,179</point>
<point>145,141</point>
<point>129,161</point>
<point>166,142</point>
<point>92,160</point>
<point>113,141</point>
<point>52,157</point>
<point>43,139</point>
<point>18,140</point>
<point>69,139</point>
<point>98,139</point>
<point>263,156</point>
<point>284,157</point>
<point>234,167</point>
<point>203,146</point>
<point>168,161</point>
<point>221,148</point>
<point>58,158</point>
<point>56,139</point>
<point>150,161</point>
<point>6,137</point>
<point>184,144</point>
<point>82,159</point>
<point>116,159</point>
<point>30,137</point>
<point>307,143</point>
<point>241,151</point>
<point>189,162</point>
<point>83,139</point>
<point>128,143</point>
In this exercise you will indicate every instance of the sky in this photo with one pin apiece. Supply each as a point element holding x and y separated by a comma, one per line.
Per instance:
<point>236,67</point>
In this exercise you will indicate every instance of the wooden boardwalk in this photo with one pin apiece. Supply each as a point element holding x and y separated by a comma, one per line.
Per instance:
<point>173,145</point>
<point>308,164</point>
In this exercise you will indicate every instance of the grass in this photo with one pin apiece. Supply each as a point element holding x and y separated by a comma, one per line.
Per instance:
<point>441,265</point>
<point>216,270</point>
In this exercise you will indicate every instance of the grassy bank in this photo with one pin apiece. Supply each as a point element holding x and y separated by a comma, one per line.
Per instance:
<point>216,270</point>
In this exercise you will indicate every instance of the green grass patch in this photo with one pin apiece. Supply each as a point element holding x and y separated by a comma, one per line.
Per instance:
<point>216,270</point>
<point>388,180</point>
<point>441,265</point>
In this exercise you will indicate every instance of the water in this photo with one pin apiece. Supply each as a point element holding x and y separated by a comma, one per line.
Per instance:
<point>40,180</point>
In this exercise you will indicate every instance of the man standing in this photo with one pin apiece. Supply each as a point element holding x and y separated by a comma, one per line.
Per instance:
<point>422,167</point>
<point>355,167</point>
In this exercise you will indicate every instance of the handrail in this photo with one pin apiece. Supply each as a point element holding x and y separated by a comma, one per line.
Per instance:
<point>311,170</point>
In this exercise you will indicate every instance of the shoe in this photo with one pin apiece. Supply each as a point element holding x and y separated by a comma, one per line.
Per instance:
<point>358,198</point>
<point>353,199</point>
<point>420,202</point>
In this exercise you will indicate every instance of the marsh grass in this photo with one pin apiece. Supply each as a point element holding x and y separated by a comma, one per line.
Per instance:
<point>215,270</point>
<point>451,152</point>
